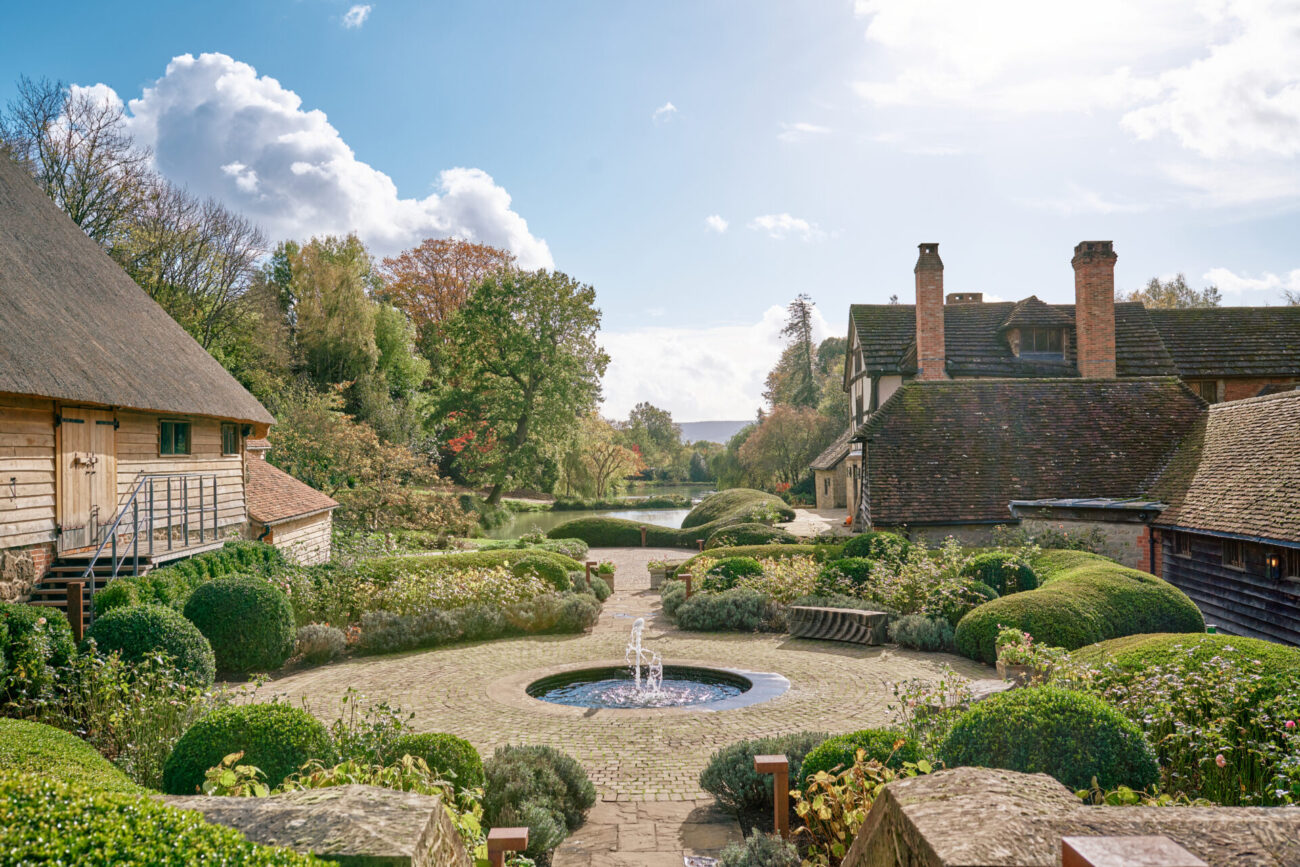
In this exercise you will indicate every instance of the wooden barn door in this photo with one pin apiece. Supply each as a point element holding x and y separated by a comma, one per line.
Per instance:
<point>87,478</point>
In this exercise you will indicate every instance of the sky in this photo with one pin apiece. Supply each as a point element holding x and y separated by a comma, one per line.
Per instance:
<point>701,162</point>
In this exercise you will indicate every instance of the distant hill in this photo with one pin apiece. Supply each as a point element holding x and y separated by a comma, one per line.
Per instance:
<point>713,431</point>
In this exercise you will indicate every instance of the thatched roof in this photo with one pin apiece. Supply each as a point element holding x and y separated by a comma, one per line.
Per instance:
<point>75,327</point>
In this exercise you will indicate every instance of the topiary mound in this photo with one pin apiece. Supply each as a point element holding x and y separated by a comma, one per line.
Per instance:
<point>277,738</point>
<point>35,642</point>
<point>833,755</point>
<point>730,776</point>
<point>172,585</point>
<point>740,504</point>
<point>248,622</point>
<point>763,552</point>
<point>539,787</point>
<point>1003,572</point>
<point>445,753</point>
<point>724,574</point>
<point>136,632</point>
<point>1139,652</point>
<point>749,534</point>
<point>385,569</point>
<point>549,570</point>
<point>40,749</point>
<point>849,576</point>
<point>1089,601</point>
<point>716,512</point>
<point>1072,736</point>
<point>877,545</point>
<point>47,821</point>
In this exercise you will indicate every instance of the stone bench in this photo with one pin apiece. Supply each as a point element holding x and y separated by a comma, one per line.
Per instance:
<point>839,624</point>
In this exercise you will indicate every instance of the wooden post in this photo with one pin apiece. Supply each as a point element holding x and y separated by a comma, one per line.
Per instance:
<point>642,536</point>
<point>779,768</point>
<point>503,840</point>
<point>76,608</point>
<point>687,579</point>
<point>1113,851</point>
<point>589,564</point>
<point>700,542</point>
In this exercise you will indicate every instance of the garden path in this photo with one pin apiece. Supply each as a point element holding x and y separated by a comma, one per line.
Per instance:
<point>636,758</point>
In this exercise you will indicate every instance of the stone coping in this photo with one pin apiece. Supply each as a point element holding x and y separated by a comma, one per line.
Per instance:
<point>511,690</point>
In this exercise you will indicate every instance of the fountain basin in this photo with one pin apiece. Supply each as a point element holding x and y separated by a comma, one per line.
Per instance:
<point>684,686</point>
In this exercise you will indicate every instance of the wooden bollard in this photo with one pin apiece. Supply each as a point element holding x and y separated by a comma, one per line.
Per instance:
<point>700,542</point>
<point>503,840</point>
<point>1107,851</point>
<point>76,608</point>
<point>590,564</point>
<point>779,768</point>
<point>687,578</point>
<point>642,537</point>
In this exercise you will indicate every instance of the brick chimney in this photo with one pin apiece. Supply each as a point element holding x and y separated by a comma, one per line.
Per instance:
<point>1094,308</point>
<point>929,314</point>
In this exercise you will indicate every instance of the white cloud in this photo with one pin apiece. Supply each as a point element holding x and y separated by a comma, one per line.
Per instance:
<point>1243,289</point>
<point>700,374</point>
<point>715,223</point>
<point>798,131</point>
<point>356,16</point>
<point>664,113</point>
<point>1081,200</point>
<point>782,226</point>
<point>222,130</point>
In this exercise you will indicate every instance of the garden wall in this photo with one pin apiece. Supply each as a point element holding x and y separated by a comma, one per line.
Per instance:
<point>1126,543</point>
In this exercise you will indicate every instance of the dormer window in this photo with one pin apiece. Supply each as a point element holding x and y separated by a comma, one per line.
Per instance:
<point>1040,341</point>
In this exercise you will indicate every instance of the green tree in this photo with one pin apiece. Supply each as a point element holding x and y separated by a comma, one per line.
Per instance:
<point>654,434</point>
<point>780,449</point>
<point>523,369</point>
<point>793,381</point>
<point>1173,294</point>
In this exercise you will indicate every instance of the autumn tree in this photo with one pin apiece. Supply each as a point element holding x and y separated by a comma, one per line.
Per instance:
<point>522,368</point>
<point>431,281</point>
<point>1173,294</point>
<point>781,448</point>
<point>596,461</point>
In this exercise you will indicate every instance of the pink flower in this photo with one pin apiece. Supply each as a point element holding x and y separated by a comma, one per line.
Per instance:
<point>1220,761</point>
<point>1290,723</point>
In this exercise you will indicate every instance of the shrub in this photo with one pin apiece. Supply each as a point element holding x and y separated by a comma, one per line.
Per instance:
<point>1072,736</point>
<point>724,574</point>
<point>135,633</point>
<point>736,503</point>
<point>833,755</point>
<point>96,827</point>
<point>31,747</point>
<point>838,601</point>
<point>760,552</point>
<point>442,752</point>
<point>34,643</point>
<point>730,776</point>
<point>760,850</point>
<point>172,584</point>
<point>738,610</point>
<point>564,613</point>
<point>1138,653</point>
<point>921,633</point>
<point>848,575</point>
<point>1090,602</point>
<point>550,571</point>
<point>277,738</point>
<point>248,622</point>
<point>749,534</point>
<point>383,570</point>
<point>671,596</point>
<point>876,545</point>
<point>540,787</point>
<point>599,588</point>
<point>320,642</point>
<point>1002,571</point>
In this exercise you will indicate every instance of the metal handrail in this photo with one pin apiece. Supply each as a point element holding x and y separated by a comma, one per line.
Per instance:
<point>132,504</point>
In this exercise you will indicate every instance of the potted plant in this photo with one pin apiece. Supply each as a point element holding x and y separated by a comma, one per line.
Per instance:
<point>1020,660</point>
<point>659,570</point>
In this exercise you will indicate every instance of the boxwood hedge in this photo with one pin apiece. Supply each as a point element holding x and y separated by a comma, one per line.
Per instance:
<point>385,569</point>
<point>749,534</point>
<point>840,752</point>
<point>716,512</point>
<point>47,821</point>
<point>172,585</point>
<point>736,503</point>
<point>1092,600</point>
<point>1002,572</point>
<point>1139,652</point>
<point>278,738</point>
<point>443,752</point>
<point>248,622</point>
<point>730,776</point>
<point>35,642</point>
<point>1072,736</point>
<point>136,632</point>
<point>763,552</point>
<point>40,749</point>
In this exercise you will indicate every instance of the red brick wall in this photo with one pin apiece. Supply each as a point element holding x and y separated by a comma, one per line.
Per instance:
<point>1237,389</point>
<point>1094,308</point>
<point>930,352</point>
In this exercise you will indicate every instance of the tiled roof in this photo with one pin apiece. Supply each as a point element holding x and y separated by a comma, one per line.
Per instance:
<point>975,346</point>
<point>1232,341</point>
<point>961,450</point>
<point>274,496</point>
<point>257,445</point>
<point>835,452</point>
<point>1238,471</point>
<point>1032,313</point>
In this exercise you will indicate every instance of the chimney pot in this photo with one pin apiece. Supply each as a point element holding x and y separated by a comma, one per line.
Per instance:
<point>931,362</point>
<point>929,259</point>
<point>1094,307</point>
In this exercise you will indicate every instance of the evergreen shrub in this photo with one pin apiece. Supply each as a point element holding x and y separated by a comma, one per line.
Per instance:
<point>760,850</point>
<point>1003,572</point>
<point>920,632</point>
<point>724,574</point>
<point>134,633</point>
<point>877,545</point>
<point>33,747</point>
<point>730,776</point>
<point>846,576</point>
<point>538,787</point>
<point>35,642</point>
<point>749,534</point>
<point>835,754</point>
<point>740,609</point>
<point>546,568</point>
<point>444,753</point>
<point>248,622</point>
<point>320,642</point>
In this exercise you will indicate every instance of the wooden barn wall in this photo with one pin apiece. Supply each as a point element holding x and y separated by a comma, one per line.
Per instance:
<point>1242,603</point>
<point>26,471</point>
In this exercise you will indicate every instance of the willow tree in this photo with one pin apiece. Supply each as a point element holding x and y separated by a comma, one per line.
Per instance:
<point>522,369</point>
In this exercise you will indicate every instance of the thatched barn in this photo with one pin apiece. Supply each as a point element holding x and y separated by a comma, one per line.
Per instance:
<point>117,429</point>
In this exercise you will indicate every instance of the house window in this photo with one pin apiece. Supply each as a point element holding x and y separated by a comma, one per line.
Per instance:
<point>173,437</point>
<point>229,438</point>
<point>1208,389</point>
<point>1290,563</point>
<point>1040,341</point>
<point>1182,545</point>
<point>1234,554</point>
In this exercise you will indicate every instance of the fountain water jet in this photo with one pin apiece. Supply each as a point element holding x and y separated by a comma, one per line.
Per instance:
<point>634,655</point>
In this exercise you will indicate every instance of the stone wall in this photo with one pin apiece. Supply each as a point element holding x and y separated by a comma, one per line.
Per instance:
<point>969,535</point>
<point>969,816</point>
<point>21,569</point>
<point>1128,543</point>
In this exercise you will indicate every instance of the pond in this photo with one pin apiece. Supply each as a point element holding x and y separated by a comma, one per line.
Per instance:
<point>543,522</point>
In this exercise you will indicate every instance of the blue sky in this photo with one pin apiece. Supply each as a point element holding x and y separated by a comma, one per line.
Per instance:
<point>824,139</point>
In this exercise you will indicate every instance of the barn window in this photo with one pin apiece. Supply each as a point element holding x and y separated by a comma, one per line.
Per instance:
<point>173,437</point>
<point>1291,564</point>
<point>229,438</point>
<point>1040,341</point>
<point>1207,389</point>
<point>1234,555</point>
<point>1182,545</point>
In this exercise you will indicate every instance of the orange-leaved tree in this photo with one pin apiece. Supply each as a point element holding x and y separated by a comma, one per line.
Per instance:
<point>432,280</point>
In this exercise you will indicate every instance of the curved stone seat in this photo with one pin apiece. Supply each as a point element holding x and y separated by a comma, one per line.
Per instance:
<point>839,624</point>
